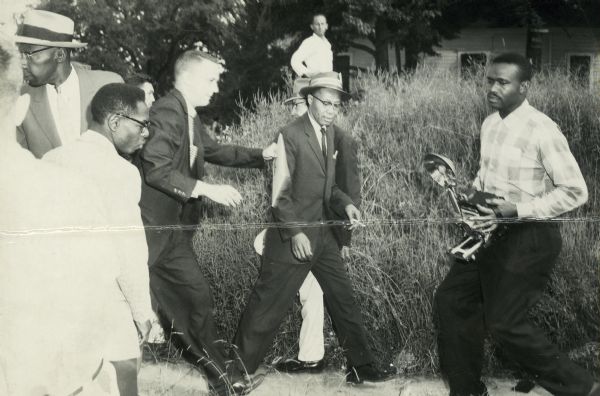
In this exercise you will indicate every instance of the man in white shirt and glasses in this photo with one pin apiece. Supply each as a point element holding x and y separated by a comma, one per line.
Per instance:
<point>118,129</point>
<point>314,55</point>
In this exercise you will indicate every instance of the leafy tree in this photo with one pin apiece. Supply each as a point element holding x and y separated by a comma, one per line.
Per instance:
<point>147,35</point>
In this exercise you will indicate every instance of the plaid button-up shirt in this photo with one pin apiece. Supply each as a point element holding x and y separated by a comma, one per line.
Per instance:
<point>526,159</point>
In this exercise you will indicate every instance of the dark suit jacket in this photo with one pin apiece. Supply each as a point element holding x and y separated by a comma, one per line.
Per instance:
<point>311,195</point>
<point>347,178</point>
<point>38,131</point>
<point>168,179</point>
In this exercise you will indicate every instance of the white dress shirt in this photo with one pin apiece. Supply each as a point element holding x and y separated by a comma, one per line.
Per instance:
<point>65,106</point>
<point>119,181</point>
<point>313,56</point>
<point>317,129</point>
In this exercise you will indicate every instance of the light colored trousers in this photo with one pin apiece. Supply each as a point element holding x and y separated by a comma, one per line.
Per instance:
<point>311,342</point>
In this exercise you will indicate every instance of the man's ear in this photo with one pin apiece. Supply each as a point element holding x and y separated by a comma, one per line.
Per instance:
<point>112,121</point>
<point>524,87</point>
<point>21,107</point>
<point>61,55</point>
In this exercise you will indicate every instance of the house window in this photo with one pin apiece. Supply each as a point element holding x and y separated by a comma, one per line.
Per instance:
<point>470,63</point>
<point>580,68</point>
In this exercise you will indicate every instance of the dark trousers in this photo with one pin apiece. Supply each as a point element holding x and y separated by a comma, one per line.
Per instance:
<point>183,300</point>
<point>494,294</point>
<point>274,294</point>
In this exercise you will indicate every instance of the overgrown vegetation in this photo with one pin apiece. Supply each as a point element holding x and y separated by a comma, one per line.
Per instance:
<point>399,258</point>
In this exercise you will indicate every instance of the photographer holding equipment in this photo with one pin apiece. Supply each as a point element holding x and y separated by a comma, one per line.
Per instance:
<point>526,160</point>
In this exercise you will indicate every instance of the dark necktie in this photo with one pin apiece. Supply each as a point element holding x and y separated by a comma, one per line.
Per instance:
<point>324,143</point>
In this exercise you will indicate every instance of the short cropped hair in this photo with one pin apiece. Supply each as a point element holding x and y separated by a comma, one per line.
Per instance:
<point>11,75</point>
<point>138,79</point>
<point>318,14</point>
<point>512,58</point>
<point>116,98</point>
<point>192,56</point>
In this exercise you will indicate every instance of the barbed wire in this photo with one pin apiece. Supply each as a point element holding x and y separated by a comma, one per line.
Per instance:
<point>262,225</point>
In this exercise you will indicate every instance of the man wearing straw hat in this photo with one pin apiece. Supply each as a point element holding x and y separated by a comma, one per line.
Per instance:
<point>60,92</point>
<point>301,243</point>
<point>311,341</point>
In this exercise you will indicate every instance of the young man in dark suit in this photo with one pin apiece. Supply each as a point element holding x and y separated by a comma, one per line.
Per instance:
<point>300,244</point>
<point>172,164</point>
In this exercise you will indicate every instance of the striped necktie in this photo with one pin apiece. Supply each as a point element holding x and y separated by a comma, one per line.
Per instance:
<point>324,143</point>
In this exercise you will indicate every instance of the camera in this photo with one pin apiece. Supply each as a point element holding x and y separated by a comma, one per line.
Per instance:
<point>443,172</point>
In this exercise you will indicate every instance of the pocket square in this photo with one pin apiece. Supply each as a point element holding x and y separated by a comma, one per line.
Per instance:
<point>335,154</point>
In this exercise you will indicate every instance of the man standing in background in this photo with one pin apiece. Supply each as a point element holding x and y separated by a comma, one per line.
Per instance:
<point>60,92</point>
<point>143,82</point>
<point>314,55</point>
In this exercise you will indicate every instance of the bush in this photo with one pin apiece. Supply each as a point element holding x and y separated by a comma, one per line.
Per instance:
<point>399,258</point>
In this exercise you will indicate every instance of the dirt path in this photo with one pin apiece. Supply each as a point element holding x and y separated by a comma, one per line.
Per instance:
<point>181,379</point>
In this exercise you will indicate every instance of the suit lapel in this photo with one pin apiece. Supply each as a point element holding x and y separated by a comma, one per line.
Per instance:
<point>86,93</point>
<point>40,109</point>
<point>313,142</point>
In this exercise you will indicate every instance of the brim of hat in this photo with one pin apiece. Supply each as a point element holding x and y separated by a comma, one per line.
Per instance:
<point>288,100</point>
<point>59,44</point>
<point>307,90</point>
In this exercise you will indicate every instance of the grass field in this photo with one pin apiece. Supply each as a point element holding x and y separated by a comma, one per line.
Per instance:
<point>399,258</point>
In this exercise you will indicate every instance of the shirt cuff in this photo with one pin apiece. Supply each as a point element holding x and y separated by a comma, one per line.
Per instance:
<point>525,210</point>
<point>198,189</point>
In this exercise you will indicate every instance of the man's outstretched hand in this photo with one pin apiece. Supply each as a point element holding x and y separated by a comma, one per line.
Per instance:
<point>220,193</point>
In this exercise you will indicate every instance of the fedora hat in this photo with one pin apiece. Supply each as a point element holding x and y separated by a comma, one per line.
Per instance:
<point>299,83</point>
<point>331,80</point>
<point>47,28</point>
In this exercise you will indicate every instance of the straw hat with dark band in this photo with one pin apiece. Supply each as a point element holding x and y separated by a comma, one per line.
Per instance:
<point>331,80</point>
<point>48,29</point>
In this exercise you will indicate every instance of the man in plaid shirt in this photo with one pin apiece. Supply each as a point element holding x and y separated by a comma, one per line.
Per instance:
<point>526,161</point>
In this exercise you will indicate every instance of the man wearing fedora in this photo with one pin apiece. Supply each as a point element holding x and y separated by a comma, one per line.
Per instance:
<point>311,341</point>
<point>299,245</point>
<point>60,92</point>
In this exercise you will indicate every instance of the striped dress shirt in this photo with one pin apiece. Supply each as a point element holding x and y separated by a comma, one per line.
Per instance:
<point>526,159</point>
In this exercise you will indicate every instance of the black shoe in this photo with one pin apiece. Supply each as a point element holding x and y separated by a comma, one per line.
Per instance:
<point>369,373</point>
<point>294,366</point>
<point>247,383</point>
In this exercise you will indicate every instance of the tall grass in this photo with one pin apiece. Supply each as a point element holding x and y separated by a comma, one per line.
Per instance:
<point>399,258</point>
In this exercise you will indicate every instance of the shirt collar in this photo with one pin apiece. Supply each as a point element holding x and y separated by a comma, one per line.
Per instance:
<point>71,81</point>
<point>190,109</point>
<point>314,123</point>
<point>320,38</point>
<point>515,119</point>
<point>98,139</point>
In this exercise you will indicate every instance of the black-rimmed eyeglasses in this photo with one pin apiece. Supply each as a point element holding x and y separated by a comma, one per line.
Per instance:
<point>329,105</point>
<point>144,124</point>
<point>29,54</point>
